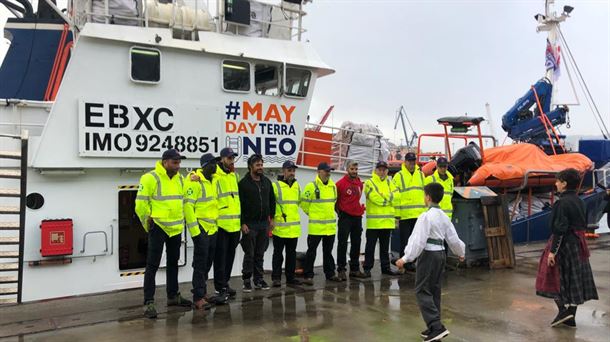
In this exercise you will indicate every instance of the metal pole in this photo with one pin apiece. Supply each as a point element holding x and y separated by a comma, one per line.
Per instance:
<point>22,201</point>
<point>300,19</point>
<point>447,148</point>
<point>106,11</point>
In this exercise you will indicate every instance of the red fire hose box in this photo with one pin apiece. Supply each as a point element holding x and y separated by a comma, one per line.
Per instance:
<point>56,237</point>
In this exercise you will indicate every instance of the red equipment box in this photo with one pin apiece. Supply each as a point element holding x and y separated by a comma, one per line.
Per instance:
<point>56,237</point>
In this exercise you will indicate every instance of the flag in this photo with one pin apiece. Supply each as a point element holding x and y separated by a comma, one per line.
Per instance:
<point>552,59</point>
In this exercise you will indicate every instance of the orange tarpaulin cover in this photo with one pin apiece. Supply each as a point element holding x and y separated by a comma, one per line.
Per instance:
<point>512,161</point>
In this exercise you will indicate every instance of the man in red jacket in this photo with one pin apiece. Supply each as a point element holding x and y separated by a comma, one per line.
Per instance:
<point>350,212</point>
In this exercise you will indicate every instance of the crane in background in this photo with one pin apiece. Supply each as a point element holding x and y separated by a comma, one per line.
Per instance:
<point>401,115</point>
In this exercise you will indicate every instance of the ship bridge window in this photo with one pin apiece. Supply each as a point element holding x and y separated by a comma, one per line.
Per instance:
<point>266,79</point>
<point>297,82</point>
<point>236,76</point>
<point>145,65</point>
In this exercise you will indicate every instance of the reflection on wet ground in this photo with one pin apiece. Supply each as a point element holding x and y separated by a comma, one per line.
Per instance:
<point>478,305</point>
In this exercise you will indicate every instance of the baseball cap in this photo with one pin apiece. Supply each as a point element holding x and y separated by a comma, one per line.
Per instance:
<point>324,166</point>
<point>410,156</point>
<point>442,161</point>
<point>173,154</point>
<point>207,158</point>
<point>381,163</point>
<point>228,152</point>
<point>289,164</point>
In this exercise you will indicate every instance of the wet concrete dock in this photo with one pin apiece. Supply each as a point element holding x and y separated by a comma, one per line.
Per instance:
<point>478,305</point>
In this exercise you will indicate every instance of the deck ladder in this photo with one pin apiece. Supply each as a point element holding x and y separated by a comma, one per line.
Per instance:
<point>12,220</point>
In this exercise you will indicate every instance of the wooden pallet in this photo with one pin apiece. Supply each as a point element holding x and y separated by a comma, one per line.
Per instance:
<point>498,232</point>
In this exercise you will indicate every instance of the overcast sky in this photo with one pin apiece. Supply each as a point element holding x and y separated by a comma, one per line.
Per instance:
<point>441,58</point>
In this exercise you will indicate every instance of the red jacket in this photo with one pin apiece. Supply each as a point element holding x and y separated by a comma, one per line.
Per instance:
<point>349,193</point>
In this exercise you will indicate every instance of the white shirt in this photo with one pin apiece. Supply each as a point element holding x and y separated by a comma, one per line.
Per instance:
<point>433,224</point>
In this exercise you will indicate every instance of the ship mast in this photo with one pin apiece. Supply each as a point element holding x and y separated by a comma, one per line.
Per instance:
<point>549,22</point>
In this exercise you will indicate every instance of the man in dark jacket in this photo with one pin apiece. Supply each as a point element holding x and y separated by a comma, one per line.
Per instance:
<point>257,212</point>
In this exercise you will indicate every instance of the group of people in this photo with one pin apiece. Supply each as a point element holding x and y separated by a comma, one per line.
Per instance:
<point>221,211</point>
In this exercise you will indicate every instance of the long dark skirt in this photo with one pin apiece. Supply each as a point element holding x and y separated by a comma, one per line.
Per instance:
<point>575,276</point>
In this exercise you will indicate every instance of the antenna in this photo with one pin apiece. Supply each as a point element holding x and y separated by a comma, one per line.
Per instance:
<point>490,122</point>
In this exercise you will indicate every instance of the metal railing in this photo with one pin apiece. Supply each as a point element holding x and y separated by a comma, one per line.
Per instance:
<point>605,174</point>
<point>283,7</point>
<point>466,138</point>
<point>81,12</point>
<point>339,150</point>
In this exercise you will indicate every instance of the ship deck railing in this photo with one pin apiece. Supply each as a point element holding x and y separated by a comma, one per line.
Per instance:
<point>320,145</point>
<point>81,12</point>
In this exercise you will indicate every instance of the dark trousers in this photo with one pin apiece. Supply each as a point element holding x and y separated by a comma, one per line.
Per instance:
<point>156,239</point>
<point>225,255</point>
<point>291,257</point>
<point>349,227</point>
<point>430,266</point>
<point>254,244</point>
<point>372,235</point>
<point>313,241</point>
<point>406,229</point>
<point>203,257</point>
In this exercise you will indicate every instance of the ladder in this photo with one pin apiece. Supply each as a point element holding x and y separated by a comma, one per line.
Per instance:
<point>12,220</point>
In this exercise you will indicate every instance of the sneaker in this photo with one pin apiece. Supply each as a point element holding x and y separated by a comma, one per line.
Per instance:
<point>561,317</point>
<point>178,300</point>
<point>334,278</point>
<point>231,292</point>
<point>571,323</point>
<point>261,285</point>
<point>437,335</point>
<point>390,272</point>
<point>294,282</point>
<point>218,299</point>
<point>367,274</point>
<point>308,281</point>
<point>276,283</point>
<point>424,334</point>
<point>342,275</point>
<point>202,304</point>
<point>356,274</point>
<point>150,311</point>
<point>247,286</point>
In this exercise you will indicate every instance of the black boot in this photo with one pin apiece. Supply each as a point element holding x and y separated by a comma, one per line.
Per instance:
<point>572,321</point>
<point>563,315</point>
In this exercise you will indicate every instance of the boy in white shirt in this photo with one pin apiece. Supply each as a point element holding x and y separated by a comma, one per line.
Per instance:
<point>433,227</point>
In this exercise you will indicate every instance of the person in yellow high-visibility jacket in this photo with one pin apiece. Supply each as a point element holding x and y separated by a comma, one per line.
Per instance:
<point>381,196</point>
<point>318,202</point>
<point>159,206</point>
<point>444,178</point>
<point>229,221</point>
<point>287,224</point>
<point>201,213</point>
<point>410,183</point>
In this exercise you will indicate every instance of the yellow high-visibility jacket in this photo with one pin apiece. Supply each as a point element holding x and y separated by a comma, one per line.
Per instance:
<point>318,202</point>
<point>161,199</point>
<point>229,207</point>
<point>201,204</point>
<point>381,197</point>
<point>446,205</point>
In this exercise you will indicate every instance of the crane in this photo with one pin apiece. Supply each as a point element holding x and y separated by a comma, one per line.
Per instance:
<point>318,127</point>
<point>401,115</point>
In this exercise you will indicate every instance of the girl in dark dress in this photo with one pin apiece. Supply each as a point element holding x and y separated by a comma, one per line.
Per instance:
<point>564,273</point>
